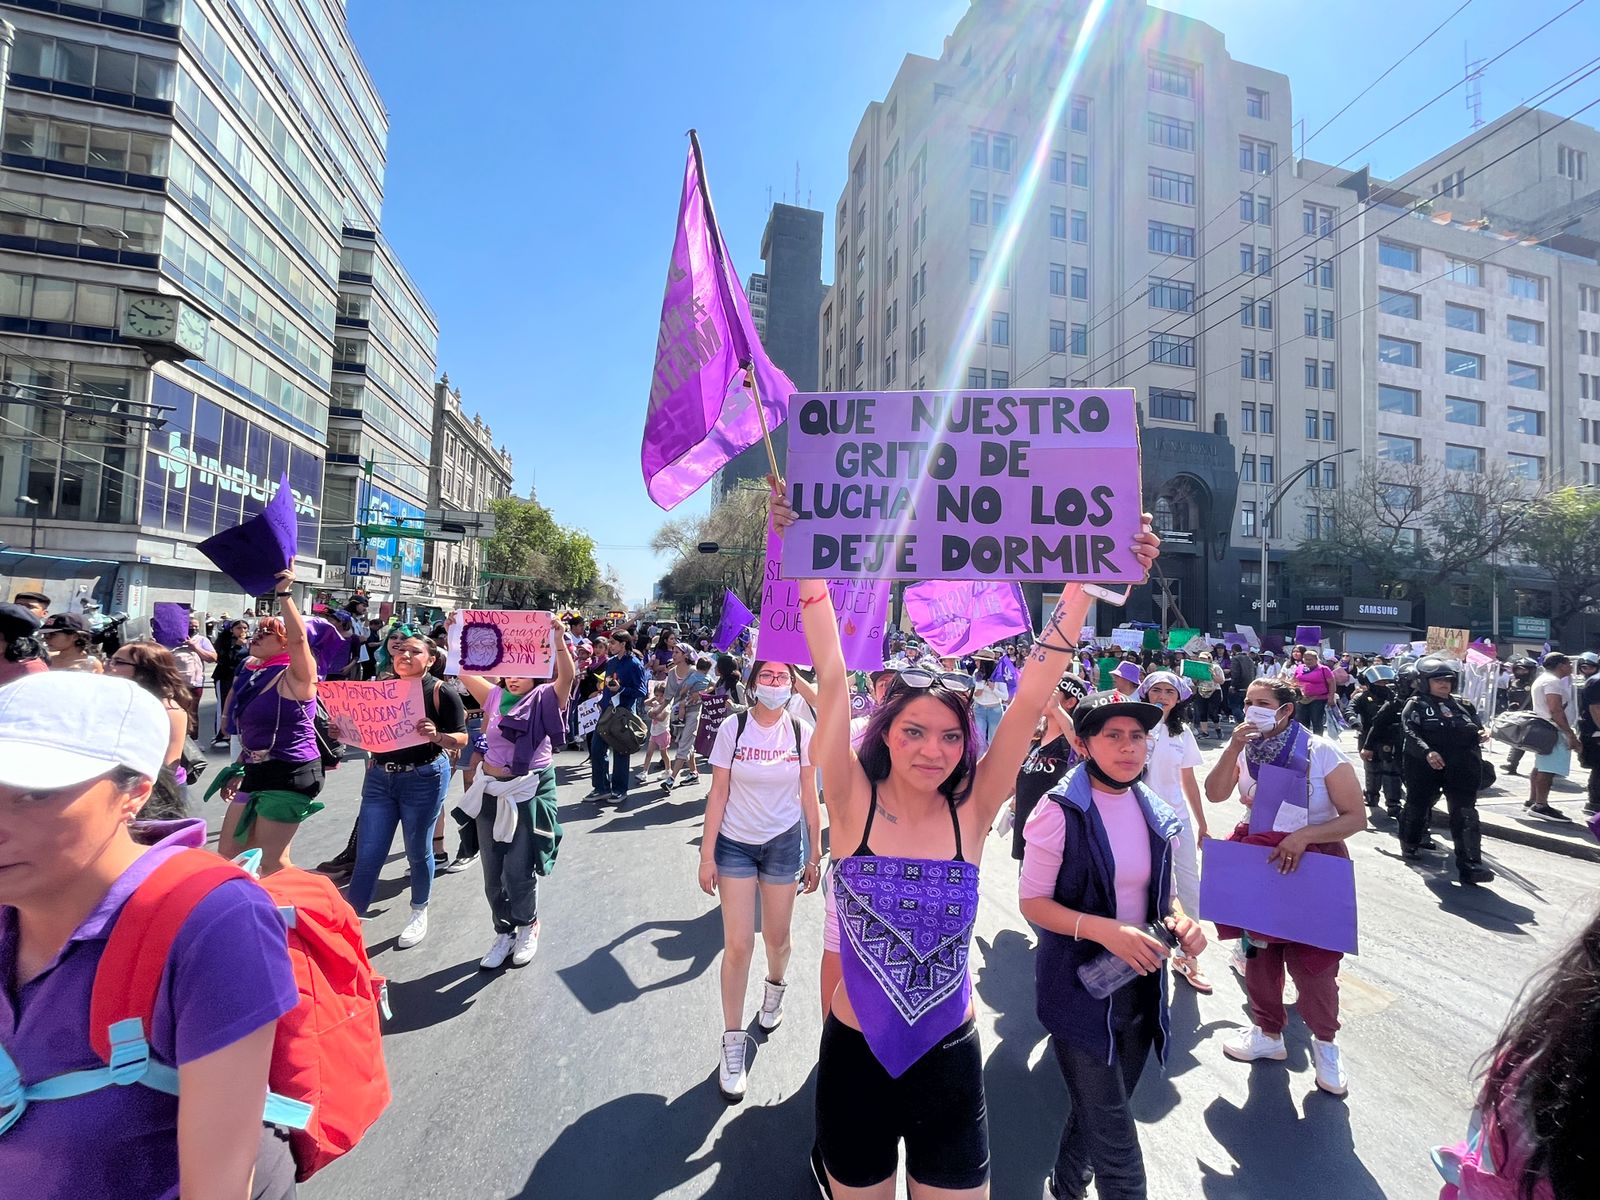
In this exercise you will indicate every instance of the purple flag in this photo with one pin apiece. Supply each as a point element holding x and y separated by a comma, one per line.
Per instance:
<point>956,617</point>
<point>701,413</point>
<point>1308,635</point>
<point>169,623</point>
<point>736,618</point>
<point>252,554</point>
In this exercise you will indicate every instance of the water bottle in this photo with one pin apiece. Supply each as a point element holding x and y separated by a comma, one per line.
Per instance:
<point>1107,972</point>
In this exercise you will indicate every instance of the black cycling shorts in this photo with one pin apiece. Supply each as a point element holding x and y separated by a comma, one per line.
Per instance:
<point>937,1107</point>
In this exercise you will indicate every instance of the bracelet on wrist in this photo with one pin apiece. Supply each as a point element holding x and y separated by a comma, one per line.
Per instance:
<point>1040,643</point>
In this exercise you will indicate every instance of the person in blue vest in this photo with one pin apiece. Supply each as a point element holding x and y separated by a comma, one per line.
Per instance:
<point>624,686</point>
<point>1097,883</point>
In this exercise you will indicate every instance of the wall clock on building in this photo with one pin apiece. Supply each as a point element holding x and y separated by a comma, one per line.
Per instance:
<point>168,327</point>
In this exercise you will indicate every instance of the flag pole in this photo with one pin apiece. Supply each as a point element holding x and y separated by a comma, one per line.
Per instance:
<point>718,247</point>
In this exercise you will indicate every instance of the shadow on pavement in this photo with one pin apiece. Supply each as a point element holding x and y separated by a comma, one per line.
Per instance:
<point>1281,1153</point>
<point>1027,1104</point>
<point>601,983</point>
<point>1482,905</point>
<point>432,999</point>
<point>651,815</point>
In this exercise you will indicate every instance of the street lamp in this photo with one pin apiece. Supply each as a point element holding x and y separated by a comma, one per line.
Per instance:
<point>1276,498</point>
<point>33,525</point>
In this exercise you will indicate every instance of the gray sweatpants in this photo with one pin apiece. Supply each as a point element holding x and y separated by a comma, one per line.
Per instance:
<point>509,881</point>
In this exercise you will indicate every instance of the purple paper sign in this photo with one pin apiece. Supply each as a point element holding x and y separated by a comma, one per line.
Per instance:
<point>1308,635</point>
<point>862,606</point>
<point>253,553</point>
<point>1236,641</point>
<point>169,623</point>
<point>1275,787</point>
<point>956,617</point>
<point>736,618</point>
<point>965,485</point>
<point>1315,904</point>
<point>701,414</point>
<point>329,644</point>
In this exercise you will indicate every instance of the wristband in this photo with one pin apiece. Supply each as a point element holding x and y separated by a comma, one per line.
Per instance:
<point>1040,643</point>
<point>1077,925</point>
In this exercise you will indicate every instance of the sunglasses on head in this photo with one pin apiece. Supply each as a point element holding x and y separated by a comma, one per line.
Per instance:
<point>918,678</point>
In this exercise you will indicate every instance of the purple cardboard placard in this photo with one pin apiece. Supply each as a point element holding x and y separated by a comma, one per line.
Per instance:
<point>862,606</point>
<point>956,617</point>
<point>1308,635</point>
<point>252,553</point>
<point>1024,486</point>
<point>1275,787</point>
<point>169,623</point>
<point>1315,904</point>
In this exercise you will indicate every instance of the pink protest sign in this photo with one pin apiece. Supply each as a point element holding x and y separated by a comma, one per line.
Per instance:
<point>380,714</point>
<point>964,485</point>
<point>862,606</point>
<point>959,616</point>
<point>501,642</point>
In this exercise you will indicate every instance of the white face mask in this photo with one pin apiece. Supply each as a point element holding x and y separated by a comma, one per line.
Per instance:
<point>772,697</point>
<point>1261,717</point>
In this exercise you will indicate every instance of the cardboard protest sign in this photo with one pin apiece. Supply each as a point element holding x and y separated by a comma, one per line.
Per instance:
<point>1308,635</point>
<point>1193,668</point>
<point>1197,644</point>
<point>1128,639</point>
<point>1315,904</point>
<point>169,624</point>
<point>861,605</point>
<point>965,485</point>
<point>956,617</point>
<point>736,618</point>
<point>1248,632</point>
<point>252,553</point>
<point>379,714</point>
<point>501,642</point>
<point>1177,639</point>
<point>1443,640</point>
<point>588,716</point>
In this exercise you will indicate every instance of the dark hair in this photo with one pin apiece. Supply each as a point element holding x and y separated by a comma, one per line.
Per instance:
<point>874,752</point>
<point>31,598</point>
<point>728,677</point>
<point>156,670</point>
<point>986,668</point>
<point>623,636</point>
<point>1555,660</point>
<point>23,649</point>
<point>1282,690</point>
<point>1541,1081</point>
<point>758,664</point>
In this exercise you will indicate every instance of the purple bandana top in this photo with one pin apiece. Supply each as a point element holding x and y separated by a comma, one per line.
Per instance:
<point>907,925</point>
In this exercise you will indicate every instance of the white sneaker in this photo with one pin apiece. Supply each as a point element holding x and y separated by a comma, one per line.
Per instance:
<point>496,958</point>
<point>416,929</point>
<point>1291,994</point>
<point>771,1014</point>
<point>1237,959</point>
<point>525,945</point>
<point>1250,1044</point>
<point>1330,1068</point>
<point>731,1075</point>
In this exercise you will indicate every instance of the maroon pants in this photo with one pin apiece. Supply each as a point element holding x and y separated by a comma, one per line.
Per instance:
<point>1316,975</point>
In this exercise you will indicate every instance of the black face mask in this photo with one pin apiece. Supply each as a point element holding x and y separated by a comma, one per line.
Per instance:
<point>1097,772</point>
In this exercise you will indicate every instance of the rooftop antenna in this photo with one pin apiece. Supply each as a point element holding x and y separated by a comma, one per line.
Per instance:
<point>797,181</point>
<point>1474,86</point>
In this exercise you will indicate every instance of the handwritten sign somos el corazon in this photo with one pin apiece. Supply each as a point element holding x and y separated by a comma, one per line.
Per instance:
<point>501,642</point>
<point>964,485</point>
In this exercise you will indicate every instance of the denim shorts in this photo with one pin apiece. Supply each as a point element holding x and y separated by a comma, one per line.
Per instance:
<point>775,861</point>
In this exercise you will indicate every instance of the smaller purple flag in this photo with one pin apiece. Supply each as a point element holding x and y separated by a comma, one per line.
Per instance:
<point>958,616</point>
<point>736,618</point>
<point>1308,635</point>
<point>252,553</point>
<point>169,623</point>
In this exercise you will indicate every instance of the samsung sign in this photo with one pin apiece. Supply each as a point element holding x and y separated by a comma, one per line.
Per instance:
<point>1358,609</point>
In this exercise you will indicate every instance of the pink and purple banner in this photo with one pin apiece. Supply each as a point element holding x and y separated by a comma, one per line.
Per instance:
<point>701,413</point>
<point>1041,485</point>
<point>736,618</point>
<point>862,606</point>
<point>956,617</point>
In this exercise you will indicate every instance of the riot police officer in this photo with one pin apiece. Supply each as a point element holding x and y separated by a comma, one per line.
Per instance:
<point>1442,740</point>
<point>1378,709</point>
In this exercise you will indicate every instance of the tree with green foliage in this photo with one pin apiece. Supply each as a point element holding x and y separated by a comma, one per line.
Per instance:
<point>540,563</point>
<point>738,524</point>
<point>1564,543</point>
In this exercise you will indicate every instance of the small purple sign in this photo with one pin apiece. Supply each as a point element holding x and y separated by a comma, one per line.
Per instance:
<point>169,623</point>
<point>1022,486</point>
<point>956,617</point>
<point>736,618</point>
<point>862,606</point>
<point>1314,905</point>
<point>1308,635</point>
<point>252,554</point>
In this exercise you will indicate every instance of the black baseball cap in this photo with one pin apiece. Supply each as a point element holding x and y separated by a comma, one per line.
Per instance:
<point>70,622</point>
<point>1099,708</point>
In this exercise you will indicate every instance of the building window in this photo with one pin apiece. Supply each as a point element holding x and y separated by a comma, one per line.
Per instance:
<point>997,210</point>
<point>1264,365</point>
<point>978,153</point>
<point>1525,420</point>
<point>1265,414</point>
<point>1169,404</point>
<point>1172,349</point>
<point>1264,314</point>
<point>978,208</point>
<point>1247,364</point>
<point>974,265</point>
<point>1263,260</point>
<point>1058,223</point>
<point>1399,304</point>
<point>889,365</point>
<point>1247,260</point>
<point>1002,151</point>
<point>977,377</point>
<point>1174,295</point>
<point>1058,279</point>
<point>1080,283</point>
<point>1263,210</point>
<point>1177,240</point>
<point>999,378</point>
<point>1255,157</point>
<point>1327,324</point>
<point>1173,186</point>
<point>1078,119</point>
<point>1397,449</point>
<point>1463,365</point>
<point>1328,426</point>
<point>1311,372</point>
<point>1058,337</point>
<point>1588,298</point>
<point>1525,287</point>
<point>1463,458</point>
<point>1264,468</point>
<point>1172,77</point>
<point>1080,171</point>
<point>1080,340</point>
<point>1525,466</point>
<point>1529,333</point>
<point>1397,353</point>
<point>1247,469</point>
<point>1247,207</point>
<point>1171,132</point>
<point>1458,410</point>
<point>1464,271</point>
<point>1247,312</point>
<point>1311,424</point>
<point>1572,164</point>
<point>1080,225</point>
<point>1393,254</point>
<point>1255,103</point>
<point>1464,317</point>
<point>1058,168</point>
<point>1525,375</point>
<point>1247,525</point>
<point>1316,220</point>
<point>1247,418</point>
<point>1327,376</point>
<point>1330,475</point>
<point>1402,402</point>
<point>1001,329</point>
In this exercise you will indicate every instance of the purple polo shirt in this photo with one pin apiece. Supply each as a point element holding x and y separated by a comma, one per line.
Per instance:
<point>228,975</point>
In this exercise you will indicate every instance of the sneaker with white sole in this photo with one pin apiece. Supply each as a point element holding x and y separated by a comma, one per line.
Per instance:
<point>731,1074</point>
<point>460,863</point>
<point>498,953</point>
<point>1238,960</point>
<point>1330,1068</point>
<point>771,1014</point>
<point>525,945</point>
<point>416,929</point>
<point>1250,1044</point>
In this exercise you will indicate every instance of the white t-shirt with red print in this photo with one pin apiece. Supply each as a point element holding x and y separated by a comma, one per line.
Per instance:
<point>764,771</point>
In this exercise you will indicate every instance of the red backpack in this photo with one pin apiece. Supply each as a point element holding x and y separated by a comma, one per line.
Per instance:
<point>328,1078</point>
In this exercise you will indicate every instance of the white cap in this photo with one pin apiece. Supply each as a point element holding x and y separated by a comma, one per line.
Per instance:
<point>62,728</point>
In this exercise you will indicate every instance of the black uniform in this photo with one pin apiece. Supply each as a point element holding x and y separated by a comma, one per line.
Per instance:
<point>1519,695</point>
<point>1449,727</point>
<point>1378,710</point>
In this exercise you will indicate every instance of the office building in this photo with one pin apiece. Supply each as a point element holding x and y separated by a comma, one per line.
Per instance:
<point>183,180</point>
<point>467,472</point>
<point>755,290</point>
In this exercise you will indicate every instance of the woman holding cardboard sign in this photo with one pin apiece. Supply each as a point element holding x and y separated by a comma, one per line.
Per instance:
<point>900,1056</point>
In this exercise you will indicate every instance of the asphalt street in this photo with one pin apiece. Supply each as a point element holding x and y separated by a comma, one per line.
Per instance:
<point>592,1071</point>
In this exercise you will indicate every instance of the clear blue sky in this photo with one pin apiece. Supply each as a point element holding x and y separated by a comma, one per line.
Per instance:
<point>536,152</point>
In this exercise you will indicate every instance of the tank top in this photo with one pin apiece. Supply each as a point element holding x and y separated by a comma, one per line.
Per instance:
<point>907,930</point>
<point>270,722</point>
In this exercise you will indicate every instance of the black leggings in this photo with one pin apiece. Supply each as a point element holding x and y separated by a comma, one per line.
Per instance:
<point>1100,1140</point>
<point>937,1106</point>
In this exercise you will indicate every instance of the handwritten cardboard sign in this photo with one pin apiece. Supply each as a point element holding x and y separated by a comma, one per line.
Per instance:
<point>1453,642</point>
<point>501,642</point>
<point>956,617</point>
<point>380,714</point>
<point>1128,639</point>
<point>862,606</point>
<point>588,716</point>
<point>1042,485</point>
